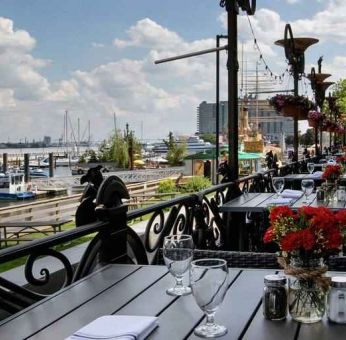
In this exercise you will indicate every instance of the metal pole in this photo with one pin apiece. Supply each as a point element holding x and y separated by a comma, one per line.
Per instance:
<point>232,66</point>
<point>217,107</point>
<point>193,54</point>
<point>295,118</point>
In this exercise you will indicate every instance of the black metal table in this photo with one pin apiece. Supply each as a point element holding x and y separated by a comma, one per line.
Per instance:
<point>140,290</point>
<point>258,202</point>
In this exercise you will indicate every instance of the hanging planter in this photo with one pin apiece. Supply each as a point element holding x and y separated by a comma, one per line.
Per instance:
<point>315,119</point>
<point>292,110</point>
<point>292,106</point>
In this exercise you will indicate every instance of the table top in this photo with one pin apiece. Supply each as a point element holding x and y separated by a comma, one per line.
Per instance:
<point>257,202</point>
<point>23,224</point>
<point>140,290</point>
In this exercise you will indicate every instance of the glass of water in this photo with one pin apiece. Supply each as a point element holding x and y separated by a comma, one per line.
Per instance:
<point>177,254</point>
<point>308,188</point>
<point>209,283</point>
<point>311,167</point>
<point>278,185</point>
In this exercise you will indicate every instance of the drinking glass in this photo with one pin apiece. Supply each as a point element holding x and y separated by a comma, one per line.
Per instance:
<point>278,185</point>
<point>208,279</point>
<point>177,254</point>
<point>307,187</point>
<point>311,167</point>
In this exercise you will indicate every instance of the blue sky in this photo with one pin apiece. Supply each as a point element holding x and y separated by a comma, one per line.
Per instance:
<point>94,58</point>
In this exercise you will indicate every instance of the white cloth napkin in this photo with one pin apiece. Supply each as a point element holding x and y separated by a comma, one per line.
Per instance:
<point>279,201</point>
<point>289,193</point>
<point>119,327</point>
<point>317,174</point>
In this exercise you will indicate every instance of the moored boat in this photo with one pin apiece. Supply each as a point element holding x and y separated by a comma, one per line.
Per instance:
<point>13,187</point>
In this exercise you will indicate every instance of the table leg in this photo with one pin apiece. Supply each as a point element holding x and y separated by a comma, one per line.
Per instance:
<point>235,232</point>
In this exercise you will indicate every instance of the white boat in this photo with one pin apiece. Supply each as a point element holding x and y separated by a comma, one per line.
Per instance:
<point>60,161</point>
<point>194,144</point>
<point>13,187</point>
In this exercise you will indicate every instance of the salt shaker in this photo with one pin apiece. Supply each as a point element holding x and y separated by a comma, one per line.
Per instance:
<point>275,297</point>
<point>336,301</point>
<point>341,193</point>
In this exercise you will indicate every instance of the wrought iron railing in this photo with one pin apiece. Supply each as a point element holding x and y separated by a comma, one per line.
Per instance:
<point>114,241</point>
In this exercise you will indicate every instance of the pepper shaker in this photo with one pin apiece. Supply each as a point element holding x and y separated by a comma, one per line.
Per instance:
<point>275,297</point>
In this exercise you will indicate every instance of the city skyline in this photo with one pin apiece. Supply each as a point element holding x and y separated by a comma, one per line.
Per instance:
<point>95,59</point>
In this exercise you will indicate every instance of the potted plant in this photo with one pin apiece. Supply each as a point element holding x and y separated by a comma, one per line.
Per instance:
<point>306,238</point>
<point>315,118</point>
<point>292,106</point>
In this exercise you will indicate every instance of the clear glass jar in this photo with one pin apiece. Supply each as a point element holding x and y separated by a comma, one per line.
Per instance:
<point>306,299</point>
<point>274,299</point>
<point>336,301</point>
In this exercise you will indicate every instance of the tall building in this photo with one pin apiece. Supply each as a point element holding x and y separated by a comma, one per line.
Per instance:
<point>262,117</point>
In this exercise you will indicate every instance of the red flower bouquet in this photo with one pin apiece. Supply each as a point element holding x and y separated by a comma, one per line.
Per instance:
<point>305,238</point>
<point>312,232</point>
<point>332,172</point>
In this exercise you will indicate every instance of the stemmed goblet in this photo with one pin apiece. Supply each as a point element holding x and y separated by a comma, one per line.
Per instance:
<point>311,167</point>
<point>177,254</point>
<point>307,187</point>
<point>209,283</point>
<point>278,185</point>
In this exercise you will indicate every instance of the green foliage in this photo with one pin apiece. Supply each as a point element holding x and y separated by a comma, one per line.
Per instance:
<point>340,92</point>
<point>176,151</point>
<point>289,140</point>
<point>307,138</point>
<point>167,185</point>
<point>197,183</point>
<point>119,152</point>
<point>209,137</point>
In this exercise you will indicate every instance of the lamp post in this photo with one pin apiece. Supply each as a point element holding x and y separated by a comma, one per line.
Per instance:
<point>319,86</point>
<point>217,103</point>
<point>294,52</point>
<point>232,8</point>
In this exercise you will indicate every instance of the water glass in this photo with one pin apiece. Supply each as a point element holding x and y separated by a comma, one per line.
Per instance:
<point>177,254</point>
<point>311,167</point>
<point>308,188</point>
<point>209,283</point>
<point>278,184</point>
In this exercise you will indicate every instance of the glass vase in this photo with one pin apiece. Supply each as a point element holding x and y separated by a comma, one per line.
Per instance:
<point>306,297</point>
<point>330,191</point>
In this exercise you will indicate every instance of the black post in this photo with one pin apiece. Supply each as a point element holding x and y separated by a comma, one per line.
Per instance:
<point>217,108</point>
<point>4,162</point>
<point>51,165</point>
<point>232,66</point>
<point>26,168</point>
<point>295,118</point>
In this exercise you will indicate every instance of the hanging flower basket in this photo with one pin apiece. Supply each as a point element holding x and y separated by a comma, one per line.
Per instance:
<point>313,123</point>
<point>292,106</point>
<point>292,110</point>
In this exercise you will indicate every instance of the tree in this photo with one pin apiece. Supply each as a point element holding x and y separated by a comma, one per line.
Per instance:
<point>340,93</point>
<point>289,140</point>
<point>307,138</point>
<point>209,137</point>
<point>176,151</point>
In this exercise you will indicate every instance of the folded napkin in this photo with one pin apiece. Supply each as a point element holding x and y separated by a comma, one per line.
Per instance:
<point>279,201</point>
<point>119,327</point>
<point>289,193</point>
<point>317,174</point>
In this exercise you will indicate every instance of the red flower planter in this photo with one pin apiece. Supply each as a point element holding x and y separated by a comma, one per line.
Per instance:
<point>313,123</point>
<point>292,110</point>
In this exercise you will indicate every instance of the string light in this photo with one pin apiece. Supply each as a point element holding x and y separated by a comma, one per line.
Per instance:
<point>261,58</point>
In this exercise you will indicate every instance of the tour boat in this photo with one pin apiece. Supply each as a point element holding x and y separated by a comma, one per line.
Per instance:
<point>12,187</point>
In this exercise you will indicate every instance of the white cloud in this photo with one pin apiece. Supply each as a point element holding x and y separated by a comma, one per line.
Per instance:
<point>97,45</point>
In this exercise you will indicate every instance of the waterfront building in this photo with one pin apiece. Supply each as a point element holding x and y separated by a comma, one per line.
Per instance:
<point>262,117</point>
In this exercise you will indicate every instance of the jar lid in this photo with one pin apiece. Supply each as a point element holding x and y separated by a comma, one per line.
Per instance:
<point>275,279</point>
<point>338,282</point>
